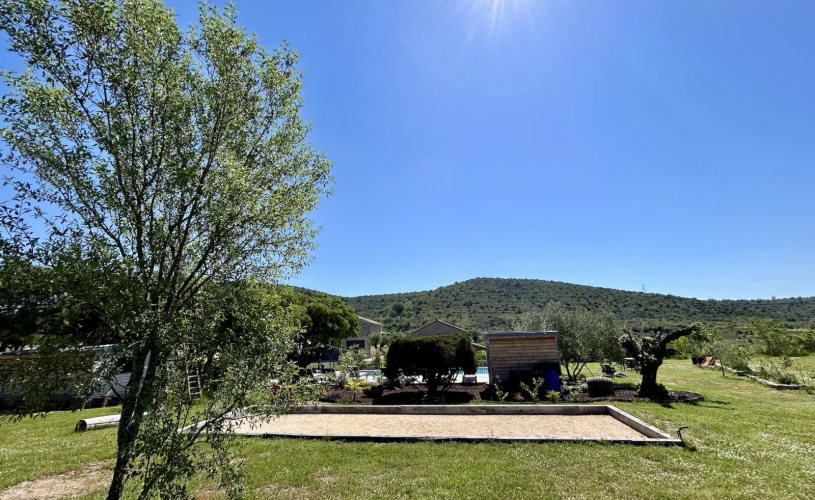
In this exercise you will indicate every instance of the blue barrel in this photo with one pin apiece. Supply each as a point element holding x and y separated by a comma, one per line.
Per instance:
<point>552,377</point>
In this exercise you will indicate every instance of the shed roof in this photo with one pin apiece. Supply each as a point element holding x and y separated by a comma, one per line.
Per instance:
<point>515,335</point>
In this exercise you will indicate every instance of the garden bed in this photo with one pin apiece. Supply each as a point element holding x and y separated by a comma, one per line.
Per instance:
<point>630,395</point>
<point>460,394</point>
<point>415,395</point>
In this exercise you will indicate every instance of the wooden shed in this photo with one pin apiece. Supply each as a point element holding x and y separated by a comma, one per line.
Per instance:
<point>511,353</point>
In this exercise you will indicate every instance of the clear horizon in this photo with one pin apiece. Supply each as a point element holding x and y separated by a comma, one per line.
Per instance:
<point>669,145</point>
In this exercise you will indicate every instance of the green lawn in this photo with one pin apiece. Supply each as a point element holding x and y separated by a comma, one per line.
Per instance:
<point>749,441</point>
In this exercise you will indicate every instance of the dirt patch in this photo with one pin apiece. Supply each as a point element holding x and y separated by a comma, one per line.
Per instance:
<point>71,484</point>
<point>325,478</point>
<point>209,491</point>
<point>288,492</point>
<point>490,426</point>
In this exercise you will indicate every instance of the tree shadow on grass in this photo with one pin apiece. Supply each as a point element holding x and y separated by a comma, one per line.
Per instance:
<point>719,405</point>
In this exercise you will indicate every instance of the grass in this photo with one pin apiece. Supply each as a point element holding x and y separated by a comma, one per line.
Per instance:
<point>747,440</point>
<point>48,445</point>
<point>806,362</point>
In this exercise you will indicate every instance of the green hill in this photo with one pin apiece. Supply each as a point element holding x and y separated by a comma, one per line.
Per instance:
<point>492,304</point>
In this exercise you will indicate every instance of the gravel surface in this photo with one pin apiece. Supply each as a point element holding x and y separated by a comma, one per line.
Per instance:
<point>579,426</point>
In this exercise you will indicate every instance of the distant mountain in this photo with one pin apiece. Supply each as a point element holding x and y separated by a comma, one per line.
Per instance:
<point>492,304</point>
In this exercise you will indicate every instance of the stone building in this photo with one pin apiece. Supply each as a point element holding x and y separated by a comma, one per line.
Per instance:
<point>367,327</point>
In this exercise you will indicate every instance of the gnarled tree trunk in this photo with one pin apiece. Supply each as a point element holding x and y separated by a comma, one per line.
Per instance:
<point>650,353</point>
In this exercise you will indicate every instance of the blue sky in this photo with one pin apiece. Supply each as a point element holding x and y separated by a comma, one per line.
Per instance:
<point>618,144</point>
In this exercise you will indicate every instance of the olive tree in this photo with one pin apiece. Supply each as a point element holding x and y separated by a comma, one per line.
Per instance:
<point>435,358</point>
<point>583,336</point>
<point>172,170</point>
<point>649,353</point>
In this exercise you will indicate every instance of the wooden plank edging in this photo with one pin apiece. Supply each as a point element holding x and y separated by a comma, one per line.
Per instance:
<point>503,439</point>
<point>497,409</point>
<point>637,424</point>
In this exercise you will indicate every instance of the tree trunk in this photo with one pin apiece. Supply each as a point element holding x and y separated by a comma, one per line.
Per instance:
<point>432,385</point>
<point>133,406</point>
<point>649,387</point>
<point>569,374</point>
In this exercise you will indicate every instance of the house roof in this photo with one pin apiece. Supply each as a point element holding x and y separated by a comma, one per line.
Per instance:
<point>369,321</point>
<point>438,321</point>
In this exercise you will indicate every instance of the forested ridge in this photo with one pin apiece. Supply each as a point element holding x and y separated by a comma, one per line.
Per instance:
<point>492,304</point>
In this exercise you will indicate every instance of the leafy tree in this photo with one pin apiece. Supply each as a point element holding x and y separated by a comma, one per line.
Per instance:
<point>698,342</point>
<point>730,354</point>
<point>770,335</point>
<point>435,358</point>
<point>163,165</point>
<point>348,363</point>
<point>476,336</point>
<point>36,303</point>
<point>325,321</point>
<point>649,353</point>
<point>583,336</point>
<point>328,320</point>
<point>806,341</point>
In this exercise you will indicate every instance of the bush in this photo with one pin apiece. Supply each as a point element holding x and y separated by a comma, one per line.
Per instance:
<point>741,365</point>
<point>481,358</point>
<point>349,359</point>
<point>806,342</point>
<point>534,391</point>
<point>780,371</point>
<point>771,336</point>
<point>787,378</point>
<point>356,386</point>
<point>695,344</point>
<point>731,354</point>
<point>435,358</point>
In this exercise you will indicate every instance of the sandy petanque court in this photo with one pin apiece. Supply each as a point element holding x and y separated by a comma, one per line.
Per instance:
<point>483,426</point>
